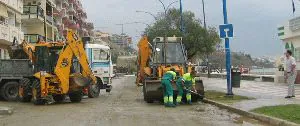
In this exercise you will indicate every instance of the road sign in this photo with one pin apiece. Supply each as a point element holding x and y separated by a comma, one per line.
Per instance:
<point>226,31</point>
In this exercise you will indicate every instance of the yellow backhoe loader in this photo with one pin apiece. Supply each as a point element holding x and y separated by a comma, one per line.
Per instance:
<point>60,69</point>
<point>155,60</point>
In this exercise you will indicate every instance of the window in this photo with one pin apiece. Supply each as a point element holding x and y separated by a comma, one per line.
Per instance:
<point>173,53</point>
<point>100,55</point>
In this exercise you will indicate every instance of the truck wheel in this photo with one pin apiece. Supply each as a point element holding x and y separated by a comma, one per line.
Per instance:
<point>58,98</point>
<point>75,96</point>
<point>25,91</point>
<point>94,89</point>
<point>9,91</point>
<point>109,88</point>
<point>37,93</point>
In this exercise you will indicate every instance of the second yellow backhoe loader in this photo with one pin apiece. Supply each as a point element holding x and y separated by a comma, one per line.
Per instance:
<point>60,69</point>
<point>156,59</point>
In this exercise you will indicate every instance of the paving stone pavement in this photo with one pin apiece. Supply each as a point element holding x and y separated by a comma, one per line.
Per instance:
<point>265,93</point>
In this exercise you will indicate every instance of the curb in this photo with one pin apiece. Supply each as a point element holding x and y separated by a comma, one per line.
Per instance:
<point>267,119</point>
<point>6,111</point>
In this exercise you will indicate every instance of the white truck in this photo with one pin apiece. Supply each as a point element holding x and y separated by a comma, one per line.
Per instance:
<point>99,57</point>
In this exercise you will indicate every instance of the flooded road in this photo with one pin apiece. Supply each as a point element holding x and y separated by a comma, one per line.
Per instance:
<point>123,107</point>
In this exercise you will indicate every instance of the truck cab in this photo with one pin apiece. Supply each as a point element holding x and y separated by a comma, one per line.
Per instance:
<point>99,57</point>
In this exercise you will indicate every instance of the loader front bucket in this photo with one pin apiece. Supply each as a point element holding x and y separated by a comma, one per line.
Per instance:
<point>153,91</point>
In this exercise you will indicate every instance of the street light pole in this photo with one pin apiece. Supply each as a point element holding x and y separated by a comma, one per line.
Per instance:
<point>181,17</point>
<point>227,49</point>
<point>155,18</point>
<point>204,15</point>
<point>205,27</point>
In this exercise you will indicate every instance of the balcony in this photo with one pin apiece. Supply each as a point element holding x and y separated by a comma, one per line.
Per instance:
<point>16,5</point>
<point>9,33</point>
<point>71,9</point>
<point>33,12</point>
<point>50,20</point>
<point>65,3</point>
<point>33,38</point>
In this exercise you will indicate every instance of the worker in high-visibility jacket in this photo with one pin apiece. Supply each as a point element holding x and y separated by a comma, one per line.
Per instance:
<point>187,81</point>
<point>167,80</point>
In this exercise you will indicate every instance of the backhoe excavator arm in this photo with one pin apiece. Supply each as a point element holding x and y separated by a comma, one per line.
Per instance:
<point>143,58</point>
<point>74,48</point>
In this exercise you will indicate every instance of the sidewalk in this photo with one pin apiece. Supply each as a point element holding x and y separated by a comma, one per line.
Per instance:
<point>266,93</point>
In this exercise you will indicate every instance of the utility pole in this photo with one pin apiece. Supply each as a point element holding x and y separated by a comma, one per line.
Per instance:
<point>181,17</point>
<point>205,36</point>
<point>227,50</point>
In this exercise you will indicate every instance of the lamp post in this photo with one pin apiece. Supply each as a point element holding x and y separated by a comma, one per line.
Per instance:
<point>205,27</point>
<point>122,25</point>
<point>181,18</point>
<point>144,24</point>
<point>146,12</point>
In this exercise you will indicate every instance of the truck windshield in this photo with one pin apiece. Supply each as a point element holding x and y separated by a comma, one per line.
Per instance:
<point>100,55</point>
<point>173,53</point>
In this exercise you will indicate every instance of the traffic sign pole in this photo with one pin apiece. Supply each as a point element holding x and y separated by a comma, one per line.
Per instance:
<point>227,49</point>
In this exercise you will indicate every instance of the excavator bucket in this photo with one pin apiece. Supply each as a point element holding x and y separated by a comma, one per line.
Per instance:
<point>153,91</point>
<point>78,81</point>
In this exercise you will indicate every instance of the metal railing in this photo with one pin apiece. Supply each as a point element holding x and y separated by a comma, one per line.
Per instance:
<point>49,19</point>
<point>33,38</point>
<point>33,9</point>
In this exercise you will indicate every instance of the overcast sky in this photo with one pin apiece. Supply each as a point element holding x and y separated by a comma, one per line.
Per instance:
<point>255,21</point>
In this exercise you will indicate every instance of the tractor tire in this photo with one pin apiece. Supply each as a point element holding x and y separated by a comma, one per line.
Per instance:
<point>25,91</point>
<point>59,98</point>
<point>76,96</point>
<point>9,91</point>
<point>94,89</point>
<point>37,93</point>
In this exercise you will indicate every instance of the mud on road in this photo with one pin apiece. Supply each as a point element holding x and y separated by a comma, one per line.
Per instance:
<point>124,106</point>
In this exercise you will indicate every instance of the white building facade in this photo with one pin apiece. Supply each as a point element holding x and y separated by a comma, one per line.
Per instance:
<point>289,33</point>
<point>10,25</point>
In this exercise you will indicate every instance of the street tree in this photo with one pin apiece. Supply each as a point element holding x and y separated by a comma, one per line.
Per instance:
<point>197,40</point>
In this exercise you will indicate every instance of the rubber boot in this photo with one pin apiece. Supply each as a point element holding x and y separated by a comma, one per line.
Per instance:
<point>171,105</point>
<point>166,101</point>
<point>189,102</point>
<point>189,99</point>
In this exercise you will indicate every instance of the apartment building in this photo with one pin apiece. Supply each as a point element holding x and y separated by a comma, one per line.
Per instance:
<point>122,40</point>
<point>10,25</point>
<point>71,15</point>
<point>50,19</point>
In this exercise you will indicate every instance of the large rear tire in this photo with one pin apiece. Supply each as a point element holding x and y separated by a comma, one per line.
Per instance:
<point>9,91</point>
<point>37,93</point>
<point>25,90</point>
<point>76,96</point>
